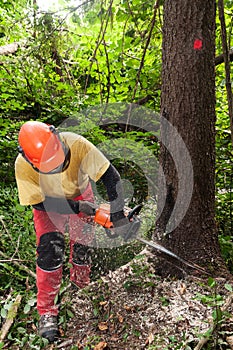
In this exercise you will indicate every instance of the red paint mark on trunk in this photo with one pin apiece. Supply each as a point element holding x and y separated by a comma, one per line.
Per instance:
<point>197,45</point>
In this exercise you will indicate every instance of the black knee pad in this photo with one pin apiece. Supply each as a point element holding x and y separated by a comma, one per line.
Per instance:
<point>51,251</point>
<point>81,254</point>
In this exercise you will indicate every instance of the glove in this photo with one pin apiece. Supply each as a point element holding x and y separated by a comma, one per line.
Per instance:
<point>125,227</point>
<point>87,208</point>
<point>119,219</point>
<point>121,224</point>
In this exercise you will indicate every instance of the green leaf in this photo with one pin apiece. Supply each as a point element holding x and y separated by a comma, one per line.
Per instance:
<point>3,312</point>
<point>26,309</point>
<point>228,287</point>
<point>21,330</point>
<point>211,282</point>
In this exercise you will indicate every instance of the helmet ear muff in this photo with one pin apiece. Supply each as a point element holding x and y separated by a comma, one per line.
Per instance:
<point>53,129</point>
<point>20,150</point>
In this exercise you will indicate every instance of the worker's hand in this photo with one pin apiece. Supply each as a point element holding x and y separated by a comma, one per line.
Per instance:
<point>87,208</point>
<point>126,228</point>
<point>121,226</point>
<point>121,223</point>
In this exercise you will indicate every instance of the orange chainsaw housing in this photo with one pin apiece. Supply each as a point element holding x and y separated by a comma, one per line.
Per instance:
<point>102,216</point>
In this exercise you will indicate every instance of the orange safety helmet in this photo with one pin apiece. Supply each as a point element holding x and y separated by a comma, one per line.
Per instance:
<point>41,146</point>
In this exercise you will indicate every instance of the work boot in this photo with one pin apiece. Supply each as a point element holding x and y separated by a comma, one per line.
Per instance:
<point>48,327</point>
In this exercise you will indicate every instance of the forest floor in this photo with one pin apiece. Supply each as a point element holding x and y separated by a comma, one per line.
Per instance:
<point>134,308</point>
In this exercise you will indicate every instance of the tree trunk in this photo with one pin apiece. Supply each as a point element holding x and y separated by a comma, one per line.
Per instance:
<point>188,104</point>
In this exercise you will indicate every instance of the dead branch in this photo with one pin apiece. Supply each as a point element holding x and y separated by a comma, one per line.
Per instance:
<point>21,266</point>
<point>12,313</point>
<point>205,339</point>
<point>220,58</point>
<point>65,343</point>
<point>152,24</point>
<point>99,40</point>
<point>5,228</point>
<point>10,260</point>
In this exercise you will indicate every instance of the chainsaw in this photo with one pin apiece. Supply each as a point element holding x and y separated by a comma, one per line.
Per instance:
<point>102,217</point>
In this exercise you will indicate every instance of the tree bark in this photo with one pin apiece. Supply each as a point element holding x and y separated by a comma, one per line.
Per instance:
<point>188,105</point>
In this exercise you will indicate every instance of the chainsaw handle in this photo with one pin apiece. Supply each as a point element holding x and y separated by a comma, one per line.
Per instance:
<point>135,211</point>
<point>133,229</point>
<point>102,217</point>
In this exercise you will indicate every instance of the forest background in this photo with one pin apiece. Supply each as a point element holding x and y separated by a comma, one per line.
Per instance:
<point>54,65</point>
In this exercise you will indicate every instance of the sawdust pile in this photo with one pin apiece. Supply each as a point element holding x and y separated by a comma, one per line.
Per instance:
<point>133,308</point>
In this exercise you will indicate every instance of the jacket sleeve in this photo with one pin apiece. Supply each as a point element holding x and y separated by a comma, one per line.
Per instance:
<point>28,183</point>
<point>112,182</point>
<point>58,205</point>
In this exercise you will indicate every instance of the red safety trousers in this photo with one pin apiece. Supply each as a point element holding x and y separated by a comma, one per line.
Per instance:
<point>49,282</point>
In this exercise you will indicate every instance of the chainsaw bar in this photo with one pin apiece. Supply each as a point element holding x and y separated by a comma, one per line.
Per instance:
<point>133,215</point>
<point>168,252</point>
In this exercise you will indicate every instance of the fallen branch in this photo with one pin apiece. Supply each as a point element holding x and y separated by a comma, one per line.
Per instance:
<point>21,266</point>
<point>65,343</point>
<point>12,312</point>
<point>205,339</point>
<point>10,260</point>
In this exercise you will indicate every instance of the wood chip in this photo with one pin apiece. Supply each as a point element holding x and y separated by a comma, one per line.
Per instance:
<point>103,326</point>
<point>101,346</point>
